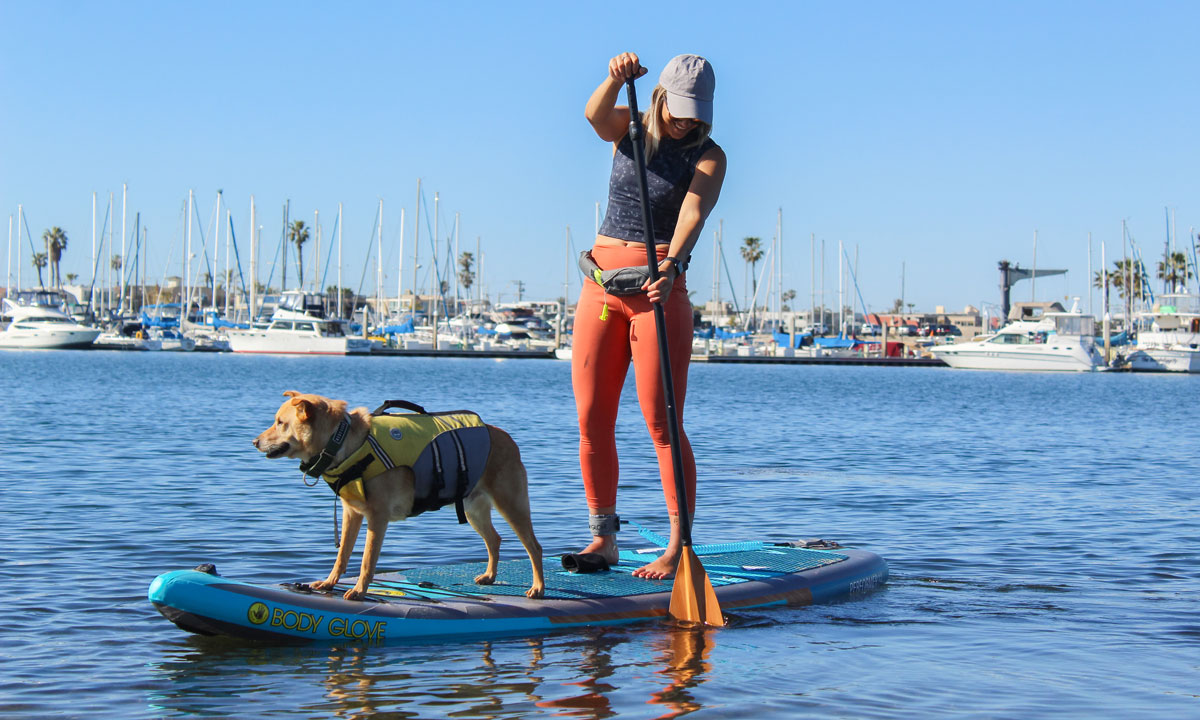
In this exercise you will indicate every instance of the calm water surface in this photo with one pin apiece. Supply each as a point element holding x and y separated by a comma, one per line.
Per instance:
<point>1041,530</point>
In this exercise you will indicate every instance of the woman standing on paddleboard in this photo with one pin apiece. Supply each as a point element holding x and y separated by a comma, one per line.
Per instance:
<point>614,319</point>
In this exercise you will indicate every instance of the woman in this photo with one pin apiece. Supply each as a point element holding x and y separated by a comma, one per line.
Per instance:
<point>685,169</point>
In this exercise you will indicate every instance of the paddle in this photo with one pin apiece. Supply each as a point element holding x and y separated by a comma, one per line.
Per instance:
<point>692,597</point>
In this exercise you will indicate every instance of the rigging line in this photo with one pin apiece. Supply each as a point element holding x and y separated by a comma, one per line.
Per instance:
<point>729,277</point>
<point>857,289</point>
<point>329,253</point>
<point>370,243</point>
<point>96,262</point>
<point>237,256</point>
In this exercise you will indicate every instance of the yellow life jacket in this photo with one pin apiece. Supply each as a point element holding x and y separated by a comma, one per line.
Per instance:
<point>446,451</point>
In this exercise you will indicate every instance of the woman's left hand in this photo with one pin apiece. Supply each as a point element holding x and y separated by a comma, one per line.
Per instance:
<point>660,289</point>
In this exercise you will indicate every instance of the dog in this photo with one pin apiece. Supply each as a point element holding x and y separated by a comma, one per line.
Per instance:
<point>303,428</point>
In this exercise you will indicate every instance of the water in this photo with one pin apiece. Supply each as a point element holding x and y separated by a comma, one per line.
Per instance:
<point>1041,531</point>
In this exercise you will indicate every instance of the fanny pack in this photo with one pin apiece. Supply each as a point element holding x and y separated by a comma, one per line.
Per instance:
<point>620,281</point>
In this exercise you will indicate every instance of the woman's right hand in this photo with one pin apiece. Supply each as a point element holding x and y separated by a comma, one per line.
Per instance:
<point>625,66</point>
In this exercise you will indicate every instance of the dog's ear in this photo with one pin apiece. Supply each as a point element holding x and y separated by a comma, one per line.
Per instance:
<point>304,408</point>
<point>291,393</point>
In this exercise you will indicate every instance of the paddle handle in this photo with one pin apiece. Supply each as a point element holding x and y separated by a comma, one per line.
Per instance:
<point>636,134</point>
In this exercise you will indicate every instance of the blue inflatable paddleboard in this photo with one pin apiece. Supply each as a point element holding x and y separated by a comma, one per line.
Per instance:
<point>444,601</point>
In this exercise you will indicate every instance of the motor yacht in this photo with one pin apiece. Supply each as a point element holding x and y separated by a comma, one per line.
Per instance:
<point>1172,342</point>
<point>299,326</point>
<point>1053,341</point>
<point>37,320</point>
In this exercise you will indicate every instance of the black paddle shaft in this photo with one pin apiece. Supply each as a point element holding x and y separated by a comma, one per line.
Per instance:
<point>636,134</point>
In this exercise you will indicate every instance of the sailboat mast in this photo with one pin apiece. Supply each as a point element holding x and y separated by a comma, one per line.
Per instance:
<point>400,267</point>
<point>436,294</point>
<point>8,254</point>
<point>91,301</point>
<point>228,267</point>
<point>454,265</point>
<point>317,260</point>
<point>252,312</point>
<point>124,248</point>
<point>416,250</point>
<point>339,274</point>
<point>187,264</point>
<point>379,264</point>
<point>216,252</point>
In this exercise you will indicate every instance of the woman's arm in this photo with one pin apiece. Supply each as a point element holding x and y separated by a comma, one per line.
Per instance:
<point>609,121</point>
<point>701,198</point>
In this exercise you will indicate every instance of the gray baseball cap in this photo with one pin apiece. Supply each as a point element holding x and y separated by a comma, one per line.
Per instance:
<point>689,82</point>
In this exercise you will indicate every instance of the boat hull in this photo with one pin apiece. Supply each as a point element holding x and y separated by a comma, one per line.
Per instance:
<point>19,339</point>
<point>981,356</point>
<point>1185,360</point>
<point>282,343</point>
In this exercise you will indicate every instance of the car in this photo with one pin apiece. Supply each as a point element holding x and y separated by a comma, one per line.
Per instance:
<point>869,329</point>
<point>942,331</point>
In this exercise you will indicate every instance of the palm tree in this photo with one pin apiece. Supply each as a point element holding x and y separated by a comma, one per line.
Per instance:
<point>72,277</point>
<point>39,262</point>
<point>298,233</point>
<point>752,252</point>
<point>466,274</point>
<point>787,297</point>
<point>1127,274</point>
<point>1173,270</point>
<point>56,242</point>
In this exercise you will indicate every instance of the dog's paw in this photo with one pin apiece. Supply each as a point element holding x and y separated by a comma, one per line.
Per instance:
<point>326,584</point>
<point>536,592</point>
<point>485,579</point>
<point>354,594</point>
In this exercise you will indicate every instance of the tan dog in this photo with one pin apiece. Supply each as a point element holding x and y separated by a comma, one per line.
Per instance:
<point>302,428</point>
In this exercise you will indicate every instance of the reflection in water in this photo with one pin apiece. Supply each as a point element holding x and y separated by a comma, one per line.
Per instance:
<point>685,652</point>
<point>596,665</point>
<point>600,670</point>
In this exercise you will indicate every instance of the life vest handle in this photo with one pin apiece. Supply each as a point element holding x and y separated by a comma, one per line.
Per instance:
<point>389,404</point>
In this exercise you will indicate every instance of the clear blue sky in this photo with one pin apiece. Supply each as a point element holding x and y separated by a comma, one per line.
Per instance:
<point>937,135</point>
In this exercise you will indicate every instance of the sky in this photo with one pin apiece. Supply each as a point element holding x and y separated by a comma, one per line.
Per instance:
<point>929,139</point>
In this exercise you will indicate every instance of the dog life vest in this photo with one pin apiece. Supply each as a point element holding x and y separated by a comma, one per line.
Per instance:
<point>446,451</point>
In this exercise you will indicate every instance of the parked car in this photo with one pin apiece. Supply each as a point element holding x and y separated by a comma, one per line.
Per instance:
<point>940,331</point>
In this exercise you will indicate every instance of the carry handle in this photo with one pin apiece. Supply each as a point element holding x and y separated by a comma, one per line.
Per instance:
<point>389,404</point>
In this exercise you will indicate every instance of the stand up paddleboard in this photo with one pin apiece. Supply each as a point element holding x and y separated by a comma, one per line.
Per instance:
<point>444,601</point>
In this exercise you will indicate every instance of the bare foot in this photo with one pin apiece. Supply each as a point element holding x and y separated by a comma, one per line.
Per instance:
<point>660,569</point>
<point>604,545</point>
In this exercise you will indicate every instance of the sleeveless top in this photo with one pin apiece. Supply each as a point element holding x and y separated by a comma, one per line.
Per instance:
<point>668,176</point>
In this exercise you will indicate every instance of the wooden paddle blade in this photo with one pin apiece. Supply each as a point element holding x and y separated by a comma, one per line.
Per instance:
<point>692,597</point>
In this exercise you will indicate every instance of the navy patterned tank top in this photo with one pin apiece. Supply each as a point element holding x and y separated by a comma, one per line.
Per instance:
<point>668,176</point>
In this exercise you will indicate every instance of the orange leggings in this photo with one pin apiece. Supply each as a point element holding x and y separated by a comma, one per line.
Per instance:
<point>601,351</point>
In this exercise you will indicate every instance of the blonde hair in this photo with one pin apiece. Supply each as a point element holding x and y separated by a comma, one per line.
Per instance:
<point>652,121</point>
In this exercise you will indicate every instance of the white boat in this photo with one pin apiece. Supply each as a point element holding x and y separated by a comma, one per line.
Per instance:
<point>36,320</point>
<point>299,327</point>
<point>1172,342</point>
<point>1054,341</point>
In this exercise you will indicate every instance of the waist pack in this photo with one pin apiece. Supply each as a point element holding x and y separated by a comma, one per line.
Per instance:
<point>619,281</point>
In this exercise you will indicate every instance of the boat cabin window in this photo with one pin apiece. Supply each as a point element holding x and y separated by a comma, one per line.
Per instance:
<point>1011,339</point>
<point>305,327</point>
<point>281,325</point>
<point>1075,325</point>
